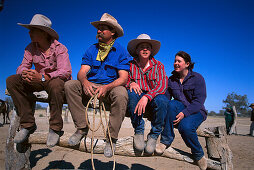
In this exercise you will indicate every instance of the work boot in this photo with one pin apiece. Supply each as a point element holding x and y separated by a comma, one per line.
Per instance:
<point>150,145</point>
<point>202,163</point>
<point>138,142</point>
<point>160,148</point>
<point>108,150</point>
<point>23,134</point>
<point>53,137</point>
<point>77,136</point>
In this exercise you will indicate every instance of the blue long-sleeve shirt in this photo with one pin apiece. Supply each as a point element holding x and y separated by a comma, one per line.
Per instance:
<point>191,92</point>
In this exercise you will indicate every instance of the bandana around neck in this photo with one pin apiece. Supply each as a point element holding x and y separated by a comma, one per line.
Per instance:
<point>104,50</point>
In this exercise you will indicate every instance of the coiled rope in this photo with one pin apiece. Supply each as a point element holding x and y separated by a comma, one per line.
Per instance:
<point>93,129</point>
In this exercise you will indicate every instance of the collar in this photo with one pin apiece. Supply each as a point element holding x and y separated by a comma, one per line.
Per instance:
<point>189,75</point>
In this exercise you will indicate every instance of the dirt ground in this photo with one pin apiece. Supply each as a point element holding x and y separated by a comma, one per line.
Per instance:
<point>41,157</point>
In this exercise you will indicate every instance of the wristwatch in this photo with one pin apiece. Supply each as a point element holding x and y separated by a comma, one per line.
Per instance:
<point>43,78</point>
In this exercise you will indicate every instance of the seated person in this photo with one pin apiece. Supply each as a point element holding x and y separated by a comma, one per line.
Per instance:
<point>186,111</point>
<point>52,69</point>
<point>146,86</point>
<point>104,71</point>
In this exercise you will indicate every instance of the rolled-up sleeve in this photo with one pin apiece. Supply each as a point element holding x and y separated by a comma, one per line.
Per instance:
<point>124,61</point>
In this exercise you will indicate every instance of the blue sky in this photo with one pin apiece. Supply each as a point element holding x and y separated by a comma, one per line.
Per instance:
<point>218,34</point>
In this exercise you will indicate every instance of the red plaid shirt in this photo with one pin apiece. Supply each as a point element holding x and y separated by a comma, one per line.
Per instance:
<point>153,80</point>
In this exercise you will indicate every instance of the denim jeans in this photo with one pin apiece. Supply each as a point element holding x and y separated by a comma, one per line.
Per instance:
<point>187,128</point>
<point>158,107</point>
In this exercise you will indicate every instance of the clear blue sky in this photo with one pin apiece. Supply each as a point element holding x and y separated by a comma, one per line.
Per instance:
<point>218,34</point>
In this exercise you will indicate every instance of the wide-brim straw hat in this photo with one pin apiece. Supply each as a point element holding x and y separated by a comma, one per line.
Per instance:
<point>142,38</point>
<point>41,22</point>
<point>107,19</point>
<point>252,104</point>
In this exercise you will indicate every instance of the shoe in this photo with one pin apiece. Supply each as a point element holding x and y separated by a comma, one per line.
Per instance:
<point>53,137</point>
<point>202,163</point>
<point>160,148</point>
<point>138,142</point>
<point>108,150</point>
<point>150,145</point>
<point>23,134</point>
<point>77,136</point>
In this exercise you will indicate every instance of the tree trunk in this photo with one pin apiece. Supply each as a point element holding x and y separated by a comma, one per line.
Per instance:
<point>124,147</point>
<point>218,149</point>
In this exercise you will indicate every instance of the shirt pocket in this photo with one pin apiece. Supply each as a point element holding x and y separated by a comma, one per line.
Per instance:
<point>37,60</point>
<point>95,67</point>
<point>111,71</point>
<point>189,91</point>
<point>52,61</point>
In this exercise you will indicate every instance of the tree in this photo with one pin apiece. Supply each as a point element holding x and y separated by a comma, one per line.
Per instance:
<point>240,102</point>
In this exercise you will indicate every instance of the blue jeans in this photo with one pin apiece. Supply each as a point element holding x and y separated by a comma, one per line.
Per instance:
<point>158,107</point>
<point>187,128</point>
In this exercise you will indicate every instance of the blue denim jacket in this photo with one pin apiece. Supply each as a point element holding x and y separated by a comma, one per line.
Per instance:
<point>192,92</point>
<point>106,71</point>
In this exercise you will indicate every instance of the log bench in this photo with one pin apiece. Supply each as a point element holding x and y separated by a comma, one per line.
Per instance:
<point>17,155</point>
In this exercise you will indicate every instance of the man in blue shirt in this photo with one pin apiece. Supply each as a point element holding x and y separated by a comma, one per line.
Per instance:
<point>104,70</point>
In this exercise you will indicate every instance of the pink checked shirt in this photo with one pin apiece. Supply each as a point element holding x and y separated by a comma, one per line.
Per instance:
<point>56,64</point>
<point>153,80</point>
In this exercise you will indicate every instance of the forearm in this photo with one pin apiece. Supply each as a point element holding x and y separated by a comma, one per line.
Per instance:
<point>118,82</point>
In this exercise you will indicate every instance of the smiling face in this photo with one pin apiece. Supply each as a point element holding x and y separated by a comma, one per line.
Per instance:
<point>180,65</point>
<point>144,50</point>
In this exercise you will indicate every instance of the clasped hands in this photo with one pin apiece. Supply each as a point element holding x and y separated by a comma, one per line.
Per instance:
<point>31,75</point>
<point>91,89</point>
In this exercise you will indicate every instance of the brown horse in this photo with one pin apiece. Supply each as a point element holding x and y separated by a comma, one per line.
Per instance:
<point>5,109</point>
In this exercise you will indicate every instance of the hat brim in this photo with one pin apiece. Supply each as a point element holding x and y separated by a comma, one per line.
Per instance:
<point>48,30</point>
<point>132,45</point>
<point>114,25</point>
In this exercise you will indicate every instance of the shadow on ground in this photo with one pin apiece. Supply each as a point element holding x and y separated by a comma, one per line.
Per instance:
<point>109,166</point>
<point>36,155</point>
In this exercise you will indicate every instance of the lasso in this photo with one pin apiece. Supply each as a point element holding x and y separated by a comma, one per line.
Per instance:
<point>93,129</point>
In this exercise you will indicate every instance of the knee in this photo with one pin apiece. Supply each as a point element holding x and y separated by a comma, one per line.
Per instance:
<point>71,85</point>
<point>12,80</point>
<point>56,85</point>
<point>120,94</point>
<point>161,101</point>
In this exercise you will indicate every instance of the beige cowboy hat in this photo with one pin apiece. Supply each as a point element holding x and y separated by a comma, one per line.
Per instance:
<point>111,21</point>
<point>132,45</point>
<point>41,22</point>
<point>252,104</point>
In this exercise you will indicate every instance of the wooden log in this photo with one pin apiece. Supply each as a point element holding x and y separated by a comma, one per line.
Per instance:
<point>16,156</point>
<point>218,149</point>
<point>124,147</point>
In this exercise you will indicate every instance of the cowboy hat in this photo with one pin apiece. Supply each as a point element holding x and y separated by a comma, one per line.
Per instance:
<point>252,104</point>
<point>132,45</point>
<point>109,20</point>
<point>43,23</point>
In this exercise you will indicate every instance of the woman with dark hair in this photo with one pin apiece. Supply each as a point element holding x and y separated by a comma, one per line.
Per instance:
<point>186,112</point>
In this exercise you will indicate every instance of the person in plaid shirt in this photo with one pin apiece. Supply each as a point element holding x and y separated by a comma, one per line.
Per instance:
<point>146,86</point>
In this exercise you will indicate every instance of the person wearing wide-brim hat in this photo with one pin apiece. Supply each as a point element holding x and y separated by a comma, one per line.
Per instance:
<point>252,119</point>
<point>104,70</point>
<point>146,86</point>
<point>52,68</point>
